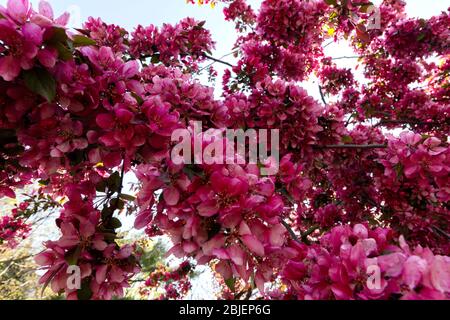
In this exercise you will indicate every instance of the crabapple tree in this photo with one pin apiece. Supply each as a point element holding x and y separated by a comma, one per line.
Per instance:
<point>362,188</point>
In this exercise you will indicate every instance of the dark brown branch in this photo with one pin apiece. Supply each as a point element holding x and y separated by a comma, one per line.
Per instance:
<point>291,232</point>
<point>218,60</point>
<point>209,65</point>
<point>322,95</point>
<point>122,175</point>
<point>442,232</point>
<point>405,121</point>
<point>309,232</point>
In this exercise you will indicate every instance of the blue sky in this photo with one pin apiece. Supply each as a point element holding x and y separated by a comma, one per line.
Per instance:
<point>130,13</point>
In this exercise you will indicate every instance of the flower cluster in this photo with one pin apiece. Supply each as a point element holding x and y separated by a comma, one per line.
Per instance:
<point>88,243</point>
<point>360,263</point>
<point>230,214</point>
<point>176,283</point>
<point>418,38</point>
<point>12,229</point>
<point>241,12</point>
<point>334,79</point>
<point>186,42</point>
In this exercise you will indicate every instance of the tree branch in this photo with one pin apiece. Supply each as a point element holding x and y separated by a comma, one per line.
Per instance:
<point>218,60</point>
<point>122,174</point>
<point>309,232</point>
<point>291,232</point>
<point>322,95</point>
<point>224,56</point>
<point>405,121</point>
<point>346,57</point>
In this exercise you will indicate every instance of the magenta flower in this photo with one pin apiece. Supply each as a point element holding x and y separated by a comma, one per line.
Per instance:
<point>161,120</point>
<point>20,48</point>
<point>45,17</point>
<point>18,11</point>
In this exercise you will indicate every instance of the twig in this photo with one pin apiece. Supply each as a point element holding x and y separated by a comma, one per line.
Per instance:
<point>349,119</point>
<point>291,232</point>
<point>122,174</point>
<point>322,96</point>
<point>309,232</point>
<point>329,43</point>
<point>405,121</point>
<point>442,232</point>
<point>209,65</point>
<point>218,60</point>
<point>346,57</point>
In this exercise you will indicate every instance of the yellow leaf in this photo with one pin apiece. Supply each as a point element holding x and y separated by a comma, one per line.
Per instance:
<point>331,31</point>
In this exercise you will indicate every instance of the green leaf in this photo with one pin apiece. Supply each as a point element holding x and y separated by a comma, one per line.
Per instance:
<point>44,182</point>
<point>58,35</point>
<point>365,7</point>
<point>231,284</point>
<point>53,274</point>
<point>85,292</point>
<point>101,186</point>
<point>288,196</point>
<point>115,223</point>
<point>58,39</point>
<point>347,139</point>
<point>82,41</point>
<point>138,98</point>
<point>107,212</point>
<point>120,204</point>
<point>83,31</point>
<point>64,52</point>
<point>41,82</point>
<point>398,170</point>
<point>127,197</point>
<point>72,256</point>
<point>331,2</point>
<point>155,59</point>
<point>114,182</point>
<point>109,236</point>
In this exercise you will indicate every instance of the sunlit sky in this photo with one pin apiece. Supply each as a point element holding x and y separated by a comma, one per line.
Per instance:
<point>131,13</point>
